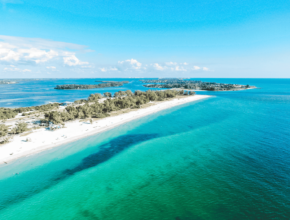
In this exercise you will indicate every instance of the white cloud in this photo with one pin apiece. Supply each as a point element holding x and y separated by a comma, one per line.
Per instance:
<point>129,64</point>
<point>42,43</point>
<point>124,66</point>
<point>71,60</point>
<point>51,67</point>
<point>104,69</point>
<point>172,66</point>
<point>178,68</point>
<point>12,68</point>
<point>134,65</point>
<point>170,63</point>
<point>158,67</point>
<point>33,51</point>
<point>12,54</point>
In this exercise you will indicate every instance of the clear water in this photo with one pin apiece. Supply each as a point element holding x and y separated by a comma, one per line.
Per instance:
<point>226,157</point>
<point>39,92</point>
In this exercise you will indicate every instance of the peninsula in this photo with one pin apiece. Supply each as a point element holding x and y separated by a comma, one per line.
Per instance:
<point>194,85</point>
<point>37,130</point>
<point>94,86</point>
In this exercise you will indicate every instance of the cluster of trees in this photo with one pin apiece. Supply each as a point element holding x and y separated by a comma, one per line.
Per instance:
<point>96,86</point>
<point>91,108</point>
<point>5,132</point>
<point>112,81</point>
<point>19,128</point>
<point>86,108</point>
<point>192,84</point>
<point>164,80</point>
<point>7,113</point>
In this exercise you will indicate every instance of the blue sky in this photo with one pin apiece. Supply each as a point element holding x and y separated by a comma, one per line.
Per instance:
<point>217,39</point>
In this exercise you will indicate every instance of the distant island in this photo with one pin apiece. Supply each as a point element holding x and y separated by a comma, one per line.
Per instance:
<point>7,82</point>
<point>15,81</point>
<point>94,86</point>
<point>193,85</point>
<point>110,81</point>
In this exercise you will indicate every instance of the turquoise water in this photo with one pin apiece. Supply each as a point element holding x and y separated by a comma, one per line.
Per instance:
<point>226,157</point>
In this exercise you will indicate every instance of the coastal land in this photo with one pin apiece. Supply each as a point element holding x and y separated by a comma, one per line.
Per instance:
<point>103,84</point>
<point>3,82</point>
<point>194,85</point>
<point>41,139</point>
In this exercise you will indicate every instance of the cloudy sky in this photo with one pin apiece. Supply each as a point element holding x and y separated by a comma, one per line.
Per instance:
<point>165,38</point>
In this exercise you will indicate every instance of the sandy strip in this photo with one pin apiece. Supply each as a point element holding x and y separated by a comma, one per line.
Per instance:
<point>43,139</point>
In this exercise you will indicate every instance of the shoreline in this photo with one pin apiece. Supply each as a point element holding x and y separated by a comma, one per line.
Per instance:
<point>43,139</point>
<point>200,90</point>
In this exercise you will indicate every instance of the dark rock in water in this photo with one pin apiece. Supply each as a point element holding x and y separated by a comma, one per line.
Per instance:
<point>107,151</point>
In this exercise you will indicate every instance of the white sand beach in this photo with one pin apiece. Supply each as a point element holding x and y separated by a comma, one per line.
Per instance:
<point>43,139</point>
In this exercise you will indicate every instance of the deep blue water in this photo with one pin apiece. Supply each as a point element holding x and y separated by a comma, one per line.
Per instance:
<point>39,92</point>
<point>226,157</point>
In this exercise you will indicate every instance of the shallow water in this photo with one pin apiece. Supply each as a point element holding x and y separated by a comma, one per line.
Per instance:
<point>226,157</point>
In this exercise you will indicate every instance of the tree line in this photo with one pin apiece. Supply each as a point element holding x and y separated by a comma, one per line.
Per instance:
<point>85,108</point>
<point>5,131</point>
<point>192,84</point>
<point>91,108</point>
<point>7,113</point>
<point>93,86</point>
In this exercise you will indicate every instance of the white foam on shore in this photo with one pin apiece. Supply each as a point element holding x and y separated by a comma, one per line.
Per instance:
<point>43,139</point>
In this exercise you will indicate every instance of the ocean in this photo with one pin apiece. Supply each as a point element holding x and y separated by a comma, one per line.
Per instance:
<point>225,157</point>
<point>40,92</point>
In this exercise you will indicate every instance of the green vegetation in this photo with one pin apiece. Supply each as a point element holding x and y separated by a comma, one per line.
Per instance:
<point>111,81</point>
<point>6,134</point>
<point>7,113</point>
<point>193,84</point>
<point>84,109</point>
<point>163,80</point>
<point>20,128</point>
<point>94,97</point>
<point>91,108</point>
<point>96,86</point>
<point>108,94</point>
<point>3,130</point>
<point>3,134</point>
<point>191,93</point>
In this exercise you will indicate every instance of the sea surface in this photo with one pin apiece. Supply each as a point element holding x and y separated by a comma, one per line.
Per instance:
<point>39,92</point>
<point>225,157</point>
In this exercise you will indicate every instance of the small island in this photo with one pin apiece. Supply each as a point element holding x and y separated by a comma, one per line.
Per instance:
<point>194,85</point>
<point>111,81</point>
<point>93,86</point>
<point>7,82</point>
